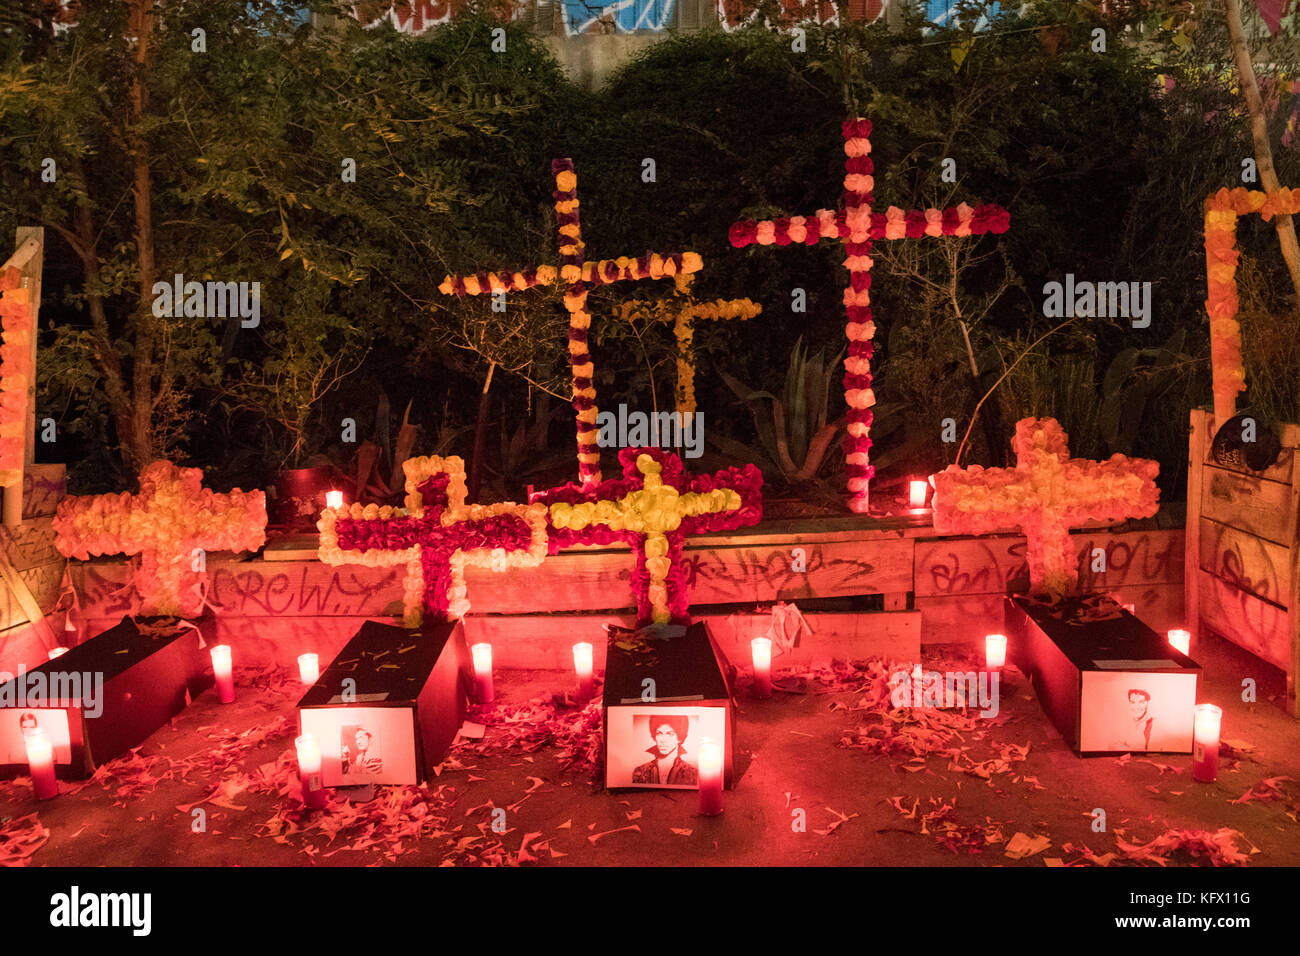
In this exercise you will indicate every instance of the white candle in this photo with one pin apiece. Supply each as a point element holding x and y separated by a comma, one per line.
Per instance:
<point>1181,639</point>
<point>761,647</point>
<point>40,762</point>
<point>484,689</point>
<point>313,793</point>
<point>223,670</point>
<point>308,668</point>
<point>1205,743</point>
<point>710,777</point>
<point>916,493</point>
<point>582,664</point>
<point>995,651</point>
<point>334,499</point>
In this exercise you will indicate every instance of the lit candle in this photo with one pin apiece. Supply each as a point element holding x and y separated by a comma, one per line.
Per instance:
<point>222,669</point>
<point>762,650</point>
<point>57,652</point>
<point>916,493</point>
<point>995,651</point>
<point>1181,639</point>
<point>710,776</point>
<point>582,664</point>
<point>1131,608</point>
<point>484,691</point>
<point>313,793</point>
<point>308,668</point>
<point>69,632</point>
<point>40,760</point>
<point>334,499</point>
<point>1205,743</point>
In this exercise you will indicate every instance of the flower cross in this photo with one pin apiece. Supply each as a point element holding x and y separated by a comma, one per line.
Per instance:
<point>436,536</point>
<point>1046,494</point>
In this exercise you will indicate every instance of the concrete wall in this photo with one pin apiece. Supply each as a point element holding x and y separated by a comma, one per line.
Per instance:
<point>592,58</point>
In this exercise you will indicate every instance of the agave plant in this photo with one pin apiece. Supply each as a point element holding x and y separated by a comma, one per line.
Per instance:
<point>793,432</point>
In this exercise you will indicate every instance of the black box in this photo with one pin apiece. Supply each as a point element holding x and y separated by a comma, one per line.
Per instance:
<point>691,691</point>
<point>406,702</point>
<point>1108,682</point>
<point>149,674</point>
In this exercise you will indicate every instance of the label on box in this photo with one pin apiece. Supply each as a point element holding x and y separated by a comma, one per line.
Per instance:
<point>1161,664</point>
<point>359,698</point>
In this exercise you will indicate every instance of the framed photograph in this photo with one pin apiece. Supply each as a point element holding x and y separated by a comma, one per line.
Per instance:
<point>1137,712</point>
<point>658,746</point>
<point>363,745</point>
<point>16,722</point>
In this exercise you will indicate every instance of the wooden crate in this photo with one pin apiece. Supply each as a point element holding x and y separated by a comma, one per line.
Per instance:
<point>1243,543</point>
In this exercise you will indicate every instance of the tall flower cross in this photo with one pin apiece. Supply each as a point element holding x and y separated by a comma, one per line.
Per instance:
<point>436,536</point>
<point>1221,213</point>
<point>856,226</point>
<point>653,507</point>
<point>683,314</point>
<point>577,275</point>
<point>1046,494</point>
<point>171,523</point>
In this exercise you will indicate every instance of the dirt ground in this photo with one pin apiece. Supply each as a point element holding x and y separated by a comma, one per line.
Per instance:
<point>947,790</point>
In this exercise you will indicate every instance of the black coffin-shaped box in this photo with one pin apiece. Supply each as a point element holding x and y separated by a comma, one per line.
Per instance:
<point>1110,684</point>
<point>117,688</point>
<point>395,720</point>
<point>653,731</point>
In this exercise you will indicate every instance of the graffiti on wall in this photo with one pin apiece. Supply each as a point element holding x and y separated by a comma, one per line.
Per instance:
<point>623,16</point>
<point>411,16</point>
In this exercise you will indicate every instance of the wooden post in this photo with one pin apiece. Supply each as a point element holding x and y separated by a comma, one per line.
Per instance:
<point>28,258</point>
<point>1293,598</point>
<point>1197,445</point>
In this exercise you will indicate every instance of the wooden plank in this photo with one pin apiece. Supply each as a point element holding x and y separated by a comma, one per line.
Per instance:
<point>996,564</point>
<point>967,618</point>
<point>545,641</point>
<point>598,580</point>
<point>46,584</point>
<point>1197,448</point>
<point>44,486</point>
<point>1245,561</point>
<point>1292,600</point>
<point>1258,626</point>
<point>293,547</point>
<point>30,544</point>
<point>1264,508</point>
<point>892,635</point>
<point>960,618</point>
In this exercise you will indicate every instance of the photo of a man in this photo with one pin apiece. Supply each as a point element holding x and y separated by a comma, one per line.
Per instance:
<point>360,756</point>
<point>667,763</point>
<point>27,723</point>
<point>1137,736</point>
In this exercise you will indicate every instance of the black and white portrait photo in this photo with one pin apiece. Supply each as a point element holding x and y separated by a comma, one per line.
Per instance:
<point>16,724</point>
<point>1137,712</point>
<point>659,746</point>
<point>363,745</point>
<point>668,761</point>
<point>359,751</point>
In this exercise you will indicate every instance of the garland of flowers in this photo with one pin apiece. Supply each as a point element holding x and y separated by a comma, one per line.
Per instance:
<point>436,536</point>
<point>683,320</point>
<point>171,518</point>
<point>653,507</point>
<point>1045,494</point>
<point>1221,256</point>
<point>582,368</point>
<point>15,374</point>
<point>857,226</point>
